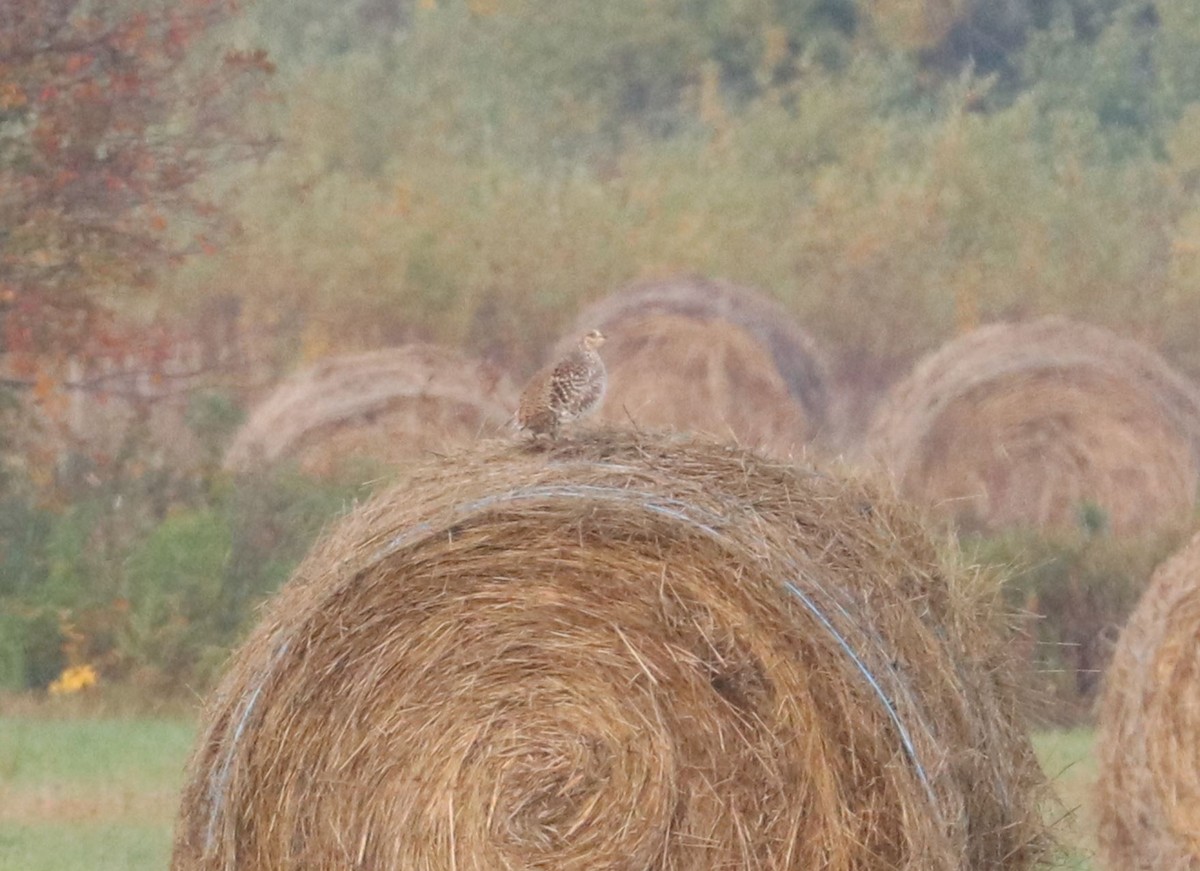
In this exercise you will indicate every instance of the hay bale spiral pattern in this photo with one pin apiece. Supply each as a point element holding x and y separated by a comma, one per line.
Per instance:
<point>1030,424</point>
<point>620,652</point>
<point>1149,728</point>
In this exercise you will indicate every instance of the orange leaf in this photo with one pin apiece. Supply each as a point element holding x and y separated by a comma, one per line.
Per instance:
<point>43,387</point>
<point>12,97</point>
<point>76,62</point>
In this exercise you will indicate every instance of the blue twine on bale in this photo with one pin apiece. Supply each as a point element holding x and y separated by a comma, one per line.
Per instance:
<point>674,509</point>
<point>216,788</point>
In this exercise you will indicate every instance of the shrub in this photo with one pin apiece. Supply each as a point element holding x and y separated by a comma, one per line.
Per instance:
<point>1077,589</point>
<point>159,604</point>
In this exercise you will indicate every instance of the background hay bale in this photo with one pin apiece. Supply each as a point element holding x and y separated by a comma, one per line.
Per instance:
<point>389,406</point>
<point>1032,424</point>
<point>702,376</point>
<point>795,355</point>
<point>618,652</point>
<point>1149,729</point>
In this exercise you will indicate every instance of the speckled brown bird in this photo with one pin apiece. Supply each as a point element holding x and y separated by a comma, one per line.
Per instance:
<point>565,391</point>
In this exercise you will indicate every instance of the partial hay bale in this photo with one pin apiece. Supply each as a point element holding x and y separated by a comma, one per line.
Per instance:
<point>1044,424</point>
<point>700,376</point>
<point>389,406</point>
<point>1148,742</point>
<point>796,356</point>
<point>619,652</point>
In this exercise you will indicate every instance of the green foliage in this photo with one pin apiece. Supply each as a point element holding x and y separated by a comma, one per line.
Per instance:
<point>192,585</point>
<point>1078,590</point>
<point>173,581</point>
<point>70,552</point>
<point>158,604</point>
<point>12,652</point>
<point>479,181</point>
<point>548,78</point>
<point>24,530</point>
<point>1113,78</point>
<point>305,32</point>
<point>31,646</point>
<point>214,416</point>
<point>274,520</point>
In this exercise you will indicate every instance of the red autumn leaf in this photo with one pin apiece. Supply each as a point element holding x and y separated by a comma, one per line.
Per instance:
<point>77,62</point>
<point>108,160</point>
<point>89,92</point>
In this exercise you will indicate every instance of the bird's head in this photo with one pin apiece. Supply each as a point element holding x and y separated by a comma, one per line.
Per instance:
<point>592,340</point>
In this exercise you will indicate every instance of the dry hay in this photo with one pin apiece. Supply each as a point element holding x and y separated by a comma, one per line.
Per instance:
<point>1149,728</point>
<point>388,406</point>
<point>620,652</point>
<point>1028,424</point>
<point>703,377</point>
<point>796,357</point>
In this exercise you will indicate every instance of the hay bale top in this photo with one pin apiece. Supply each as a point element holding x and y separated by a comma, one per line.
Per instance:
<point>619,651</point>
<point>1148,741</point>
<point>701,376</point>
<point>390,405</point>
<point>995,352</point>
<point>1027,423</point>
<point>794,352</point>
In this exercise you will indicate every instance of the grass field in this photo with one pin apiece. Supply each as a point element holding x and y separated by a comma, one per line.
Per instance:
<point>83,793</point>
<point>98,793</point>
<point>1069,761</point>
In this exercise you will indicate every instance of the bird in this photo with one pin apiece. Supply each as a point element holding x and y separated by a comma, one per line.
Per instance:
<point>565,391</point>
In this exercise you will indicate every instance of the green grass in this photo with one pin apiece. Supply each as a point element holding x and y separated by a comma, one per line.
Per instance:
<point>96,793</point>
<point>92,794</point>
<point>1069,761</point>
<point>109,751</point>
<point>100,847</point>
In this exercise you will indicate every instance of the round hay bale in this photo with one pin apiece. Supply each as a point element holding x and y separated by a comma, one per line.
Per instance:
<point>390,406</point>
<point>795,355</point>
<point>620,652</point>
<point>1148,744</point>
<point>1034,424</point>
<point>701,376</point>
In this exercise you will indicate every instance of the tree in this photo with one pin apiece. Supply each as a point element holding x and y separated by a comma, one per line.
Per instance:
<point>113,117</point>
